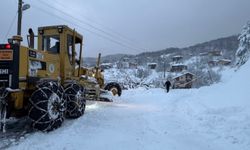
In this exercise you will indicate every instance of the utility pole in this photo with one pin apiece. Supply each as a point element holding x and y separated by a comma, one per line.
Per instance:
<point>164,70</point>
<point>19,21</point>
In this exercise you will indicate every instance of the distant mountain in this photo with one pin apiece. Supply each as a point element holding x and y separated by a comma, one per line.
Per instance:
<point>91,61</point>
<point>228,45</point>
<point>115,57</point>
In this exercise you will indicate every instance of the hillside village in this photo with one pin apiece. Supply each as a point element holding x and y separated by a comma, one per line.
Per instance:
<point>191,67</point>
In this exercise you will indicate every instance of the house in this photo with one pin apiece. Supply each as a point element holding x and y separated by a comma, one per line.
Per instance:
<point>221,62</point>
<point>203,54</point>
<point>152,65</point>
<point>178,68</point>
<point>122,65</point>
<point>125,59</point>
<point>212,63</point>
<point>106,66</point>
<point>177,59</point>
<point>183,81</point>
<point>224,62</point>
<point>132,65</point>
<point>215,53</point>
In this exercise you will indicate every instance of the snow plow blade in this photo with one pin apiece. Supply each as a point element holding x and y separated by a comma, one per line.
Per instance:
<point>104,96</point>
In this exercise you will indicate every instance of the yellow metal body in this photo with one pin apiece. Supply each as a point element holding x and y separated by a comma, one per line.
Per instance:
<point>61,65</point>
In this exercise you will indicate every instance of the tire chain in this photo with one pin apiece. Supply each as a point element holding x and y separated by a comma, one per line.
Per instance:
<point>71,99</point>
<point>45,120</point>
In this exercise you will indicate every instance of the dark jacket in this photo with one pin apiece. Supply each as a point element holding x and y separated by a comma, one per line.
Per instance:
<point>167,83</point>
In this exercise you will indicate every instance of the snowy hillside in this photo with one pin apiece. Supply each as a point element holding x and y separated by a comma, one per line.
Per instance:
<point>197,58</point>
<point>209,118</point>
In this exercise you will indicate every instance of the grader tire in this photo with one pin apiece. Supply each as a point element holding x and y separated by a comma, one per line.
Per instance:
<point>75,100</point>
<point>114,88</point>
<point>47,107</point>
<point>3,108</point>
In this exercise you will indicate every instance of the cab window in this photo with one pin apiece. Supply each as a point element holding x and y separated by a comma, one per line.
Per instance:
<point>51,44</point>
<point>70,48</point>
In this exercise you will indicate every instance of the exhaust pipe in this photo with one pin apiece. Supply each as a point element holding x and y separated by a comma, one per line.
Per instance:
<point>32,38</point>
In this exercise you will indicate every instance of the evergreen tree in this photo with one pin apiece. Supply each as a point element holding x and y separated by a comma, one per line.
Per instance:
<point>243,51</point>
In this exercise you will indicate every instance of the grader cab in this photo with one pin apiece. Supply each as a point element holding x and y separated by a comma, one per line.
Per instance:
<point>48,83</point>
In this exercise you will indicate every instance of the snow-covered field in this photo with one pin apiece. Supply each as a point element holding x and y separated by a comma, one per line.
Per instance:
<point>209,118</point>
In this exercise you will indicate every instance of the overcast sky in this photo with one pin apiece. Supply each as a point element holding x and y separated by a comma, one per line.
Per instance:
<point>132,26</point>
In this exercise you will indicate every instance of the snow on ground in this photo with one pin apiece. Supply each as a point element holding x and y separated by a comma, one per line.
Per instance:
<point>131,78</point>
<point>209,118</point>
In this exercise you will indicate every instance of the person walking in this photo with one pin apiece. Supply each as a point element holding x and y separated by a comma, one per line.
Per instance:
<point>167,85</point>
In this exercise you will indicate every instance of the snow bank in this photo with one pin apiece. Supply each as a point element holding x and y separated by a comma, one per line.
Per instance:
<point>232,91</point>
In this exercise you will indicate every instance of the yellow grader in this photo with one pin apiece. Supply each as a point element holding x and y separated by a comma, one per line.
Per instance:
<point>48,84</point>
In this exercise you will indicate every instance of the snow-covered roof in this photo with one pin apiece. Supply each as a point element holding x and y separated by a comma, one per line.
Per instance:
<point>215,52</point>
<point>106,64</point>
<point>226,60</point>
<point>165,55</point>
<point>203,54</point>
<point>151,63</point>
<point>177,65</point>
<point>177,56</point>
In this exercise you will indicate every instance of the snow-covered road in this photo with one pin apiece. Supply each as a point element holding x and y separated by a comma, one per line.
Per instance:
<point>149,119</point>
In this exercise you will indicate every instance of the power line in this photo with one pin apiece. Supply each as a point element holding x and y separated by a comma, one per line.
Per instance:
<point>84,22</point>
<point>81,21</point>
<point>99,35</point>
<point>97,23</point>
<point>10,27</point>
